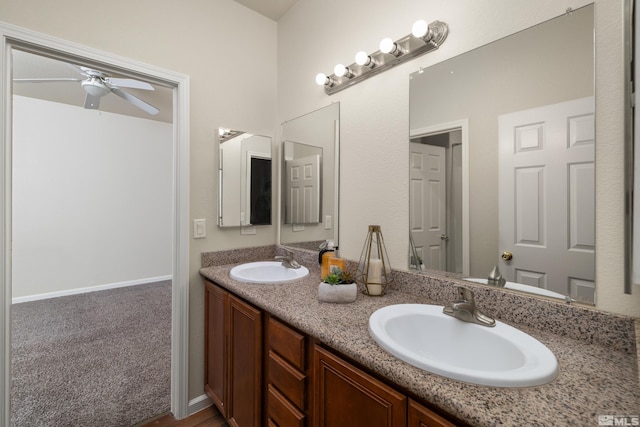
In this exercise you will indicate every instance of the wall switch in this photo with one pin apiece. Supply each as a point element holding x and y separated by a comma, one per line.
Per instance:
<point>199,228</point>
<point>328,222</point>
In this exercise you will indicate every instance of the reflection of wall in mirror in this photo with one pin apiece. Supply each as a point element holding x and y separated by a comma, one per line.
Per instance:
<point>535,67</point>
<point>229,197</point>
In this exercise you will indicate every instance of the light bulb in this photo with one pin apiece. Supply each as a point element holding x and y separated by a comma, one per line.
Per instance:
<point>321,79</point>
<point>387,45</point>
<point>420,29</point>
<point>362,58</point>
<point>342,71</point>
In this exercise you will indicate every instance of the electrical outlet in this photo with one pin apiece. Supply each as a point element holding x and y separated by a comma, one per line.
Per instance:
<point>199,228</point>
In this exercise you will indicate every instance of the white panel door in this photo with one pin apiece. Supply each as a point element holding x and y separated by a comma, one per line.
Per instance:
<point>303,190</point>
<point>428,211</point>
<point>546,191</point>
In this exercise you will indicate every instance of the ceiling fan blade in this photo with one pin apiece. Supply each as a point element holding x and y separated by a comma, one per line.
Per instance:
<point>135,101</point>
<point>78,69</point>
<point>92,102</point>
<point>130,83</point>
<point>47,80</point>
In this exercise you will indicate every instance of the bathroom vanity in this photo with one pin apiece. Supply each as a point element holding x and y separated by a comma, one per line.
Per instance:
<point>287,359</point>
<point>303,379</point>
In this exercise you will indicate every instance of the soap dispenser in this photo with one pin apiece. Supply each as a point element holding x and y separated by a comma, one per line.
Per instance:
<point>327,250</point>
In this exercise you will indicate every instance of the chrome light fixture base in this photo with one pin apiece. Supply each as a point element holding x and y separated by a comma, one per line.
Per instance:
<point>410,46</point>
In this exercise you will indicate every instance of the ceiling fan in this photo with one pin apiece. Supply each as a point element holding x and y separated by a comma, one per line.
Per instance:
<point>98,84</point>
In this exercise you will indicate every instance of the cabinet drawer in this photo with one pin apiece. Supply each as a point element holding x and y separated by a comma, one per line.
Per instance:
<point>288,343</point>
<point>281,412</point>
<point>288,380</point>
<point>419,416</point>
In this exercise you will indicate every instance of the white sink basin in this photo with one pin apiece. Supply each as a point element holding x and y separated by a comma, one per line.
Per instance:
<point>521,287</point>
<point>267,272</point>
<point>424,337</point>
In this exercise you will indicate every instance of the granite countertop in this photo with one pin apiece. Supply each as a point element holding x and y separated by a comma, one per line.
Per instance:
<point>598,375</point>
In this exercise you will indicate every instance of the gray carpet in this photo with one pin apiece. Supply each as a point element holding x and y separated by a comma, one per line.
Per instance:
<point>96,359</point>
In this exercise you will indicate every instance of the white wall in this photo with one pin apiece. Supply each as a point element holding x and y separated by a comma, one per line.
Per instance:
<point>91,198</point>
<point>374,114</point>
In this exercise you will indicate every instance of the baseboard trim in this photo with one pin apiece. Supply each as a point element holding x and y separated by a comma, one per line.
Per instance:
<point>198,404</point>
<point>76,291</point>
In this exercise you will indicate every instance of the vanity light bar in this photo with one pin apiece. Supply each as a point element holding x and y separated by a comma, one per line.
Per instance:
<point>424,38</point>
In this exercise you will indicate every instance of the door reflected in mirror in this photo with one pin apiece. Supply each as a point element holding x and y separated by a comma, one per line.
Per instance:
<point>302,185</point>
<point>244,179</point>
<point>310,164</point>
<point>502,160</point>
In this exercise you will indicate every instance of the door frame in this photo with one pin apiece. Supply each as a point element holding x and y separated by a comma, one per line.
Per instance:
<point>39,43</point>
<point>463,126</point>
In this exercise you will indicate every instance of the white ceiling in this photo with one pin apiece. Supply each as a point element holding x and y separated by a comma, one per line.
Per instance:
<point>273,9</point>
<point>31,66</point>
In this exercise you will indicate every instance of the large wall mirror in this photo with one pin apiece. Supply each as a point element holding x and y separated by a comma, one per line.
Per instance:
<point>502,161</point>
<point>310,165</point>
<point>244,179</point>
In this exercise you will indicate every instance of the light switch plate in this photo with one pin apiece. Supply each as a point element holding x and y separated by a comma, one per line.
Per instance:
<point>248,229</point>
<point>199,228</point>
<point>328,222</point>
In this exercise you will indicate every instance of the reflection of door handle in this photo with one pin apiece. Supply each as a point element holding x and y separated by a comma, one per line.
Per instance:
<point>444,236</point>
<point>507,256</point>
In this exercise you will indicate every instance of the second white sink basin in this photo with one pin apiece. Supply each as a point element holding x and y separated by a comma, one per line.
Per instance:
<point>503,356</point>
<point>267,272</point>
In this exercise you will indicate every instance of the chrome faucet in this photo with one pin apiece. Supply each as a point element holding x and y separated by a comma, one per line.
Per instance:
<point>287,260</point>
<point>496,278</point>
<point>464,308</point>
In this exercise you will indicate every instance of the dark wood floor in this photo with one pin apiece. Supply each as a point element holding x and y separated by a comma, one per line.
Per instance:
<point>209,417</point>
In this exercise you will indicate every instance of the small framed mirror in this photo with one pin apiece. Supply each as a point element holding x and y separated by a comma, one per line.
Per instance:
<point>244,174</point>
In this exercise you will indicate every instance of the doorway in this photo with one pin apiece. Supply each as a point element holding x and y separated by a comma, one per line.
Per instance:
<point>17,38</point>
<point>436,200</point>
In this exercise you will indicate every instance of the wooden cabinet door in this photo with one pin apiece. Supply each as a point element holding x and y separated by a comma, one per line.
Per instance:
<point>346,396</point>
<point>245,364</point>
<point>216,346</point>
<point>419,416</point>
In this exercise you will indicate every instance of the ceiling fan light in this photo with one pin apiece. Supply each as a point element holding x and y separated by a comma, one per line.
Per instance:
<point>94,87</point>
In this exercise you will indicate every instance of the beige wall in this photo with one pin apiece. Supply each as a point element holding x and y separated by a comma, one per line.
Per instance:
<point>374,114</point>
<point>230,54</point>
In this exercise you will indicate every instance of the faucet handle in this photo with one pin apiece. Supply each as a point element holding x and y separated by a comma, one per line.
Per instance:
<point>288,251</point>
<point>465,294</point>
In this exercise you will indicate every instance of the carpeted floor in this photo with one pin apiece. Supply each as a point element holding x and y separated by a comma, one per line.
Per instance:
<point>97,359</point>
